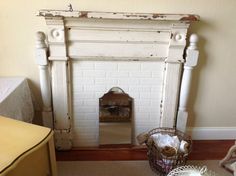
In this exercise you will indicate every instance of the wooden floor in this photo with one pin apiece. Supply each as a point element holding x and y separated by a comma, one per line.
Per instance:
<point>201,150</point>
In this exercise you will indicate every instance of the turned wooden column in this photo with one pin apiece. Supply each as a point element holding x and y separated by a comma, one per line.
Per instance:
<point>42,61</point>
<point>191,61</point>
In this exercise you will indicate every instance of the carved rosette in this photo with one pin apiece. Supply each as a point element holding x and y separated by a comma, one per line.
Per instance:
<point>56,35</point>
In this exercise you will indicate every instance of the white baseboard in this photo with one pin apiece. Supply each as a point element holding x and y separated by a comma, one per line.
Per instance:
<point>212,133</point>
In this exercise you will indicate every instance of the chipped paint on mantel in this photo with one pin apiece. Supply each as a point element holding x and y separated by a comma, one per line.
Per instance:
<point>119,15</point>
<point>75,36</point>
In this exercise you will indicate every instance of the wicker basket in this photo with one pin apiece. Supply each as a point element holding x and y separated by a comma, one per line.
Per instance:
<point>160,163</point>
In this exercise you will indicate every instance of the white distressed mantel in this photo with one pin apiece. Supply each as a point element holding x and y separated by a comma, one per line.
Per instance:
<point>105,36</point>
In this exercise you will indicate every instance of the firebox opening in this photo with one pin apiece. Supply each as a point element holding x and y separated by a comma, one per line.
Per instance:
<point>115,117</point>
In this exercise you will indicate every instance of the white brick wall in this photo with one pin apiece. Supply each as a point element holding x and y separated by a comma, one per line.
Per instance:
<point>91,79</point>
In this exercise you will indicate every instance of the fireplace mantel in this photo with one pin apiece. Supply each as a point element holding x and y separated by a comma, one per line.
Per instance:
<point>108,36</point>
<point>119,15</point>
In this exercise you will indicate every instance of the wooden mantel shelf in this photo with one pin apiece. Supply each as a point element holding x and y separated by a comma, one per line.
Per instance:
<point>119,15</point>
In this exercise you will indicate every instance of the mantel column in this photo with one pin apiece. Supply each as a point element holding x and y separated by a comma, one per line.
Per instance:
<point>191,61</point>
<point>173,67</point>
<point>45,86</point>
<point>60,70</point>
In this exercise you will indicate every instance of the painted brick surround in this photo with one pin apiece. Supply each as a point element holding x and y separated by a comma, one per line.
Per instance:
<point>91,79</point>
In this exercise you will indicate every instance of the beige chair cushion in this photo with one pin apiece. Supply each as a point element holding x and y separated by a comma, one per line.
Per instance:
<point>18,139</point>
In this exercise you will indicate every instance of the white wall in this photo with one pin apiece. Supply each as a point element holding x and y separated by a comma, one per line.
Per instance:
<point>212,102</point>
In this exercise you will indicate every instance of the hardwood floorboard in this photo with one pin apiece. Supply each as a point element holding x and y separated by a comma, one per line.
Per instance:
<point>210,149</point>
<point>201,150</point>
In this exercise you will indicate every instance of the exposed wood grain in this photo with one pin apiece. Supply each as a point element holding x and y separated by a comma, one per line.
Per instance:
<point>117,15</point>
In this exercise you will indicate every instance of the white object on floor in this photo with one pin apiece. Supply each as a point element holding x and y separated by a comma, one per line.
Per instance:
<point>191,171</point>
<point>228,161</point>
<point>233,166</point>
<point>15,99</point>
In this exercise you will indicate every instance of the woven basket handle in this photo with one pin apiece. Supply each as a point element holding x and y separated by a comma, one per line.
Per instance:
<point>142,138</point>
